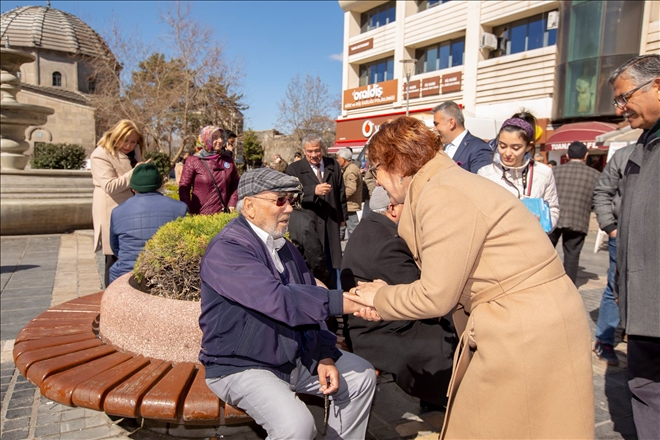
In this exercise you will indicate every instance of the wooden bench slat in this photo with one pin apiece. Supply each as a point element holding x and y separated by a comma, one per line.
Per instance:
<point>59,387</point>
<point>57,323</point>
<point>39,371</point>
<point>91,392</point>
<point>232,415</point>
<point>28,333</point>
<point>201,403</point>
<point>24,361</point>
<point>164,400</point>
<point>125,400</point>
<point>36,344</point>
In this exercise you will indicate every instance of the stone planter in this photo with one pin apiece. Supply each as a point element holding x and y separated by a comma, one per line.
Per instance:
<point>155,327</point>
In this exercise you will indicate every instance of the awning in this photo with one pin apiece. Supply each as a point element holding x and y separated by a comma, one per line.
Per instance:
<point>626,134</point>
<point>585,132</point>
<point>356,146</point>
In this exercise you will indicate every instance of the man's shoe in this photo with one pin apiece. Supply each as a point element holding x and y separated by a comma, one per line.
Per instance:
<point>605,352</point>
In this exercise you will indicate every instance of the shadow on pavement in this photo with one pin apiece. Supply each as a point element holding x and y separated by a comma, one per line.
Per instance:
<point>9,269</point>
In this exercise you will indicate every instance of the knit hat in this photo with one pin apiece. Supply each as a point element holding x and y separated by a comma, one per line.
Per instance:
<point>379,199</point>
<point>146,178</point>
<point>266,179</point>
<point>577,150</point>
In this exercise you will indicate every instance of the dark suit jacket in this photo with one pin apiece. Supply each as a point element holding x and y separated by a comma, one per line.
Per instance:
<point>303,235</point>
<point>418,353</point>
<point>473,153</point>
<point>329,211</point>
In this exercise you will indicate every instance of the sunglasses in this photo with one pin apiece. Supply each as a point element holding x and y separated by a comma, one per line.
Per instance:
<point>374,171</point>
<point>281,200</point>
<point>621,100</point>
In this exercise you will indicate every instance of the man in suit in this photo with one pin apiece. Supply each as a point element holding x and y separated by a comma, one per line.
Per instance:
<point>402,348</point>
<point>324,198</point>
<point>575,187</point>
<point>469,152</point>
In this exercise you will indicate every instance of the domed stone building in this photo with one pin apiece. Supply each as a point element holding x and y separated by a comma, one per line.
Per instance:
<point>61,77</point>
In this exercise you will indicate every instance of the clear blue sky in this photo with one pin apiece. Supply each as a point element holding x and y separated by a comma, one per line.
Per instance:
<point>275,39</point>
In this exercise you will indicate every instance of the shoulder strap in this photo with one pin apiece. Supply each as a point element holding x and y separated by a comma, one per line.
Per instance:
<point>214,183</point>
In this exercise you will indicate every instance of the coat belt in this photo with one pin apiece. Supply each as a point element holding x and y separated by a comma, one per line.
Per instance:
<point>535,276</point>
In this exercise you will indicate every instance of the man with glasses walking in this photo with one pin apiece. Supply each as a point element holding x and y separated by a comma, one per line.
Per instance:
<point>637,98</point>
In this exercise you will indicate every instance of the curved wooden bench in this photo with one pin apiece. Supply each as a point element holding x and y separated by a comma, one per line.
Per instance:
<point>60,352</point>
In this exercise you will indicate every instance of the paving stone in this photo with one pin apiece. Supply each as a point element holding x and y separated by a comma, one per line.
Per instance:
<point>435,419</point>
<point>11,425</point>
<point>21,386</point>
<point>408,429</point>
<point>383,432</point>
<point>72,425</point>
<point>97,419</point>
<point>21,402</point>
<point>97,432</point>
<point>72,414</point>
<point>44,419</point>
<point>18,413</point>
<point>19,434</point>
<point>42,431</point>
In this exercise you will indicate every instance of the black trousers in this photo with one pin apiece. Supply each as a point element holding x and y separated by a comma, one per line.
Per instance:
<point>109,261</point>
<point>644,382</point>
<point>572,242</point>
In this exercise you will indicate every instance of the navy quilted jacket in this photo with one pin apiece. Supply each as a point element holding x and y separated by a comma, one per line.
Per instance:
<point>134,222</point>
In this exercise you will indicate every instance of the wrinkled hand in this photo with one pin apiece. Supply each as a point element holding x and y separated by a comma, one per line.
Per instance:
<point>368,314</point>
<point>328,376</point>
<point>322,189</point>
<point>365,293</point>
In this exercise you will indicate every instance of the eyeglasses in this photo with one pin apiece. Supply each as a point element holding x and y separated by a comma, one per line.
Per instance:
<point>620,101</point>
<point>374,171</point>
<point>281,200</point>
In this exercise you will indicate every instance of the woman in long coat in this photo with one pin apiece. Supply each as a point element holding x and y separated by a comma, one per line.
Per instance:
<point>112,161</point>
<point>523,366</point>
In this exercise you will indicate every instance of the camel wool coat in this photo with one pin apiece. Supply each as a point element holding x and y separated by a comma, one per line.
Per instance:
<point>111,175</point>
<point>523,366</point>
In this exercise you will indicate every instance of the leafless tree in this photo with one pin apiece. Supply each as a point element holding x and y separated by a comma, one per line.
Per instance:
<point>307,107</point>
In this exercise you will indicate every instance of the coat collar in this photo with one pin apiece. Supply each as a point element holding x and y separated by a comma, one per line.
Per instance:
<point>328,167</point>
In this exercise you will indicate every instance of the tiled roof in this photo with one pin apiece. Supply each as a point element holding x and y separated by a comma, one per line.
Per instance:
<point>57,92</point>
<point>47,28</point>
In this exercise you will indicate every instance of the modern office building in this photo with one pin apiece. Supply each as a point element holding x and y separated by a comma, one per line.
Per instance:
<point>493,58</point>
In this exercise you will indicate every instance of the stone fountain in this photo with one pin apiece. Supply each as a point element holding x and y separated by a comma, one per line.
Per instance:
<point>34,201</point>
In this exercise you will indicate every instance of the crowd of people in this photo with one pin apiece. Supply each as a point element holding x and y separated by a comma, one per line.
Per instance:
<point>449,279</point>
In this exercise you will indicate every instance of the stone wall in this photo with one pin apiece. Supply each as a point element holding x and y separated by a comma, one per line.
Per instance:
<point>72,123</point>
<point>275,142</point>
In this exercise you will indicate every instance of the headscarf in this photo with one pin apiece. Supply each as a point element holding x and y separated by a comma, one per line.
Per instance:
<point>205,140</point>
<point>522,124</point>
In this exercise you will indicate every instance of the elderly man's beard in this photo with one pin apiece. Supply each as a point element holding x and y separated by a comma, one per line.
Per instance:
<point>277,231</point>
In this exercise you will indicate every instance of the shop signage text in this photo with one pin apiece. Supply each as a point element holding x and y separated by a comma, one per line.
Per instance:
<point>373,94</point>
<point>361,46</point>
<point>414,89</point>
<point>451,82</point>
<point>431,86</point>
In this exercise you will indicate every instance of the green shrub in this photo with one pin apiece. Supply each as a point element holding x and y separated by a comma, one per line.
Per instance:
<point>57,157</point>
<point>171,190</point>
<point>169,263</point>
<point>161,160</point>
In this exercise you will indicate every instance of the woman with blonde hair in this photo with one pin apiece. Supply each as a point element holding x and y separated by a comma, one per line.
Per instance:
<point>112,162</point>
<point>523,365</point>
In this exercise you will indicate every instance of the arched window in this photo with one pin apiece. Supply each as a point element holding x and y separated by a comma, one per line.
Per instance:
<point>57,79</point>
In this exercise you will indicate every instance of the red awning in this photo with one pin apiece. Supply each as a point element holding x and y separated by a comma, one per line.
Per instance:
<point>356,146</point>
<point>585,132</point>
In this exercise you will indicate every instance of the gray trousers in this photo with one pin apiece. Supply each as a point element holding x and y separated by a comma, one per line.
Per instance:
<point>273,404</point>
<point>644,382</point>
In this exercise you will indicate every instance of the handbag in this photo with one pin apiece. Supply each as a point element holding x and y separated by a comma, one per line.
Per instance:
<point>224,208</point>
<point>541,209</point>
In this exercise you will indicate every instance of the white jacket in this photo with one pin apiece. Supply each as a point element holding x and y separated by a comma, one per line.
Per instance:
<point>542,183</point>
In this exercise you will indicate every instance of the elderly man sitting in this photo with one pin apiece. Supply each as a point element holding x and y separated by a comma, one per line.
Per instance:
<point>418,353</point>
<point>264,337</point>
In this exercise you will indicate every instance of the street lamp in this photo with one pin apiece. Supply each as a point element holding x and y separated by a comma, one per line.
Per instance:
<point>408,66</point>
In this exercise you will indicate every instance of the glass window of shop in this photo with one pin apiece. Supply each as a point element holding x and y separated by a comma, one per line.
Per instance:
<point>379,16</point>
<point>440,56</point>
<point>423,5</point>
<point>377,71</point>
<point>590,49</point>
<point>523,35</point>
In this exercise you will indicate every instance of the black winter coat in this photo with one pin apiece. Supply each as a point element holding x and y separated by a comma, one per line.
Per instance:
<point>303,235</point>
<point>418,353</point>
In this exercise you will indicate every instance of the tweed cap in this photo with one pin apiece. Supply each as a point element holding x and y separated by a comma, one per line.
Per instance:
<point>577,150</point>
<point>146,178</point>
<point>266,179</point>
<point>379,199</point>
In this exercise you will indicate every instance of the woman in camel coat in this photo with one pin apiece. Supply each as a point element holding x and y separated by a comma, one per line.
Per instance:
<point>112,163</point>
<point>523,366</point>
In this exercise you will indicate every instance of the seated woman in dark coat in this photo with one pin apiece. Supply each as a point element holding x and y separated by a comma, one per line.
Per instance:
<point>418,354</point>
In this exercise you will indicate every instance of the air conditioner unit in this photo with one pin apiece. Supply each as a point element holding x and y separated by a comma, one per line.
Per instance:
<point>488,41</point>
<point>553,20</point>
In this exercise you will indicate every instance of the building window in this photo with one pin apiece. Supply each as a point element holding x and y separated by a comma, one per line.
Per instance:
<point>440,56</point>
<point>91,85</point>
<point>378,71</point>
<point>423,5</point>
<point>57,79</point>
<point>523,35</point>
<point>379,16</point>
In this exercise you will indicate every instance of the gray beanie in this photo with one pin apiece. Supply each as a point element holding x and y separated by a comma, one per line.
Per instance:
<point>379,200</point>
<point>266,179</point>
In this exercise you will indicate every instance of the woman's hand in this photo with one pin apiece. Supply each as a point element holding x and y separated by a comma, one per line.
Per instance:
<point>365,293</point>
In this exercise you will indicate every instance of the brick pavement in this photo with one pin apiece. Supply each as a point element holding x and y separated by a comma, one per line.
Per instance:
<point>61,267</point>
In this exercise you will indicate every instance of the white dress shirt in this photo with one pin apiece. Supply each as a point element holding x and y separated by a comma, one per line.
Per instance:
<point>271,244</point>
<point>320,168</point>
<point>451,147</point>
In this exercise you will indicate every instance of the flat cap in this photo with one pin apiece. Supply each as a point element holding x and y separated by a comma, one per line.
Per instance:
<point>266,179</point>
<point>379,200</point>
